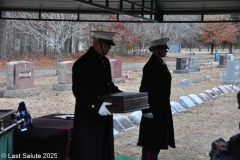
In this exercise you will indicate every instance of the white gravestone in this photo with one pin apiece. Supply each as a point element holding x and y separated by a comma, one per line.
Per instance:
<point>176,106</point>
<point>115,132</point>
<point>173,111</point>
<point>217,91</point>
<point>234,87</point>
<point>135,117</point>
<point>124,122</point>
<point>195,98</point>
<point>211,94</point>
<point>186,102</point>
<point>229,88</point>
<point>204,97</point>
<point>223,89</point>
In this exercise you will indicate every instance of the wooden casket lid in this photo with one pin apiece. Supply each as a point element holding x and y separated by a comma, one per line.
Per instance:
<point>124,102</point>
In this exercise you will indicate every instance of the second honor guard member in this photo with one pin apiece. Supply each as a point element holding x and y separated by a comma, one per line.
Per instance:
<point>93,123</point>
<point>156,128</point>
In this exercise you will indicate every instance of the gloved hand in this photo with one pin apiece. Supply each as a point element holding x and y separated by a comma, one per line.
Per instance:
<point>103,111</point>
<point>148,115</point>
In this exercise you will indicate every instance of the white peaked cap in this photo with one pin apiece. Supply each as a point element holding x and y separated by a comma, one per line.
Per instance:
<point>160,42</point>
<point>103,35</point>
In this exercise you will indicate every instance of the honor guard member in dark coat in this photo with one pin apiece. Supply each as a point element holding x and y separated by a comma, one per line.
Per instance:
<point>92,137</point>
<point>156,128</point>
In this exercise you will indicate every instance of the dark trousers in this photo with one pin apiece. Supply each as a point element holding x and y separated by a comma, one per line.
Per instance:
<point>150,154</point>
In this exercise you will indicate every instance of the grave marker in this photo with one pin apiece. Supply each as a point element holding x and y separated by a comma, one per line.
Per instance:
<point>217,91</point>
<point>195,98</point>
<point>181,65</point>
<point>232,75</point>
<point>223,89</point>
<point>222,61</point>
<point>184,82</point>
<point>116,70</point>
<point>193,64</point>
<point>229,88</point>
<point>186,102</point>
<point>176,106</point>
<point>124,122</point>
<point>135,117</point>
<point>173,111</point>
<point>64,76</point>
<point>204,97</point>
<point>234,87</point>
<point>197,80</point>
<point>211,94</point>
<point>20,79</point>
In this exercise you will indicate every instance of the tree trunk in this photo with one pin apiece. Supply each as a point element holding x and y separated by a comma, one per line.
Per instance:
<point>212,46</point>
<point>22,44</point>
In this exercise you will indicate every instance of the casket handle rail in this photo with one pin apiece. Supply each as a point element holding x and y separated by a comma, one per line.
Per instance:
<point>4,130</point>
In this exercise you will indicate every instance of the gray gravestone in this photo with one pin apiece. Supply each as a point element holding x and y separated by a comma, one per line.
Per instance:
<point>115,132</point>
<point>186,102</point>
<point>64,76</point>
<point>135,117</point>
<point>232,76</point>
<point>197,80</point>
<point>181,65</point>
<point>211,94</point>
<point>193,65</point>
<point>206,78</point>
<point>184,82</point>
<point>195,98</point>
<point>217,91</point>
<point>204,97</point>
<point>177,107</point>
<point>223,61</point>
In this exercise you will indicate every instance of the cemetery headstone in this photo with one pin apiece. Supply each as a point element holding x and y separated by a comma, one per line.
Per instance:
<point>116,70</point>
<point>124,122</point>
<point>181,65</point>
<point>186,102</point>
<point>195,98</point>
<point>20,79</point>
<point>232,75</point>
<point>206,78</point>
<point>115,132</point>
<point>211,94</point>
<point>217,91</point>
<point>176,106</point>
<point>197,80</point>
<point>173,111</point>
<point>234,87</point>
<point>222,61</point>
<point>64,77</point>
<point>204,97</point>
<point>135,117</point>
<point>184,82</point>
<point>193,65</point>
<point>223,89</point>
<point>229,88</point>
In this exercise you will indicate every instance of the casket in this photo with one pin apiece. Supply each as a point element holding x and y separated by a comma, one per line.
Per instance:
<point>124,102</point>
<point>7,118</point>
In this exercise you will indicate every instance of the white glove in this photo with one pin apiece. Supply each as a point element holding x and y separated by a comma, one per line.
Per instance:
<point>148,115</point>
<point>103,111</point>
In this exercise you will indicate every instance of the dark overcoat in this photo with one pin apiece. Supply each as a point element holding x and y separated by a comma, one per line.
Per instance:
<point>158,132</point>
<point>92,133</point>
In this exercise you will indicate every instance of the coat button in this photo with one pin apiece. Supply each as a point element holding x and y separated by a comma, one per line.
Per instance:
<point>92,106</point>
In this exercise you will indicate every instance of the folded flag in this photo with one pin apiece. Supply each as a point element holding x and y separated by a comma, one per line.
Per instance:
<point>22,113</point>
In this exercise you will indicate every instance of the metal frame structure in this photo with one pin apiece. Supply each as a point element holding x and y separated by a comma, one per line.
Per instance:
<point>141,10</point>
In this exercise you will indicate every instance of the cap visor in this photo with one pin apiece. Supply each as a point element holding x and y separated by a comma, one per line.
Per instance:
<point>163,46</point>
<point>108,42</point>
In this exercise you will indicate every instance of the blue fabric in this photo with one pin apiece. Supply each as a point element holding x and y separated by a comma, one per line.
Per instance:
<point>22,112</point>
